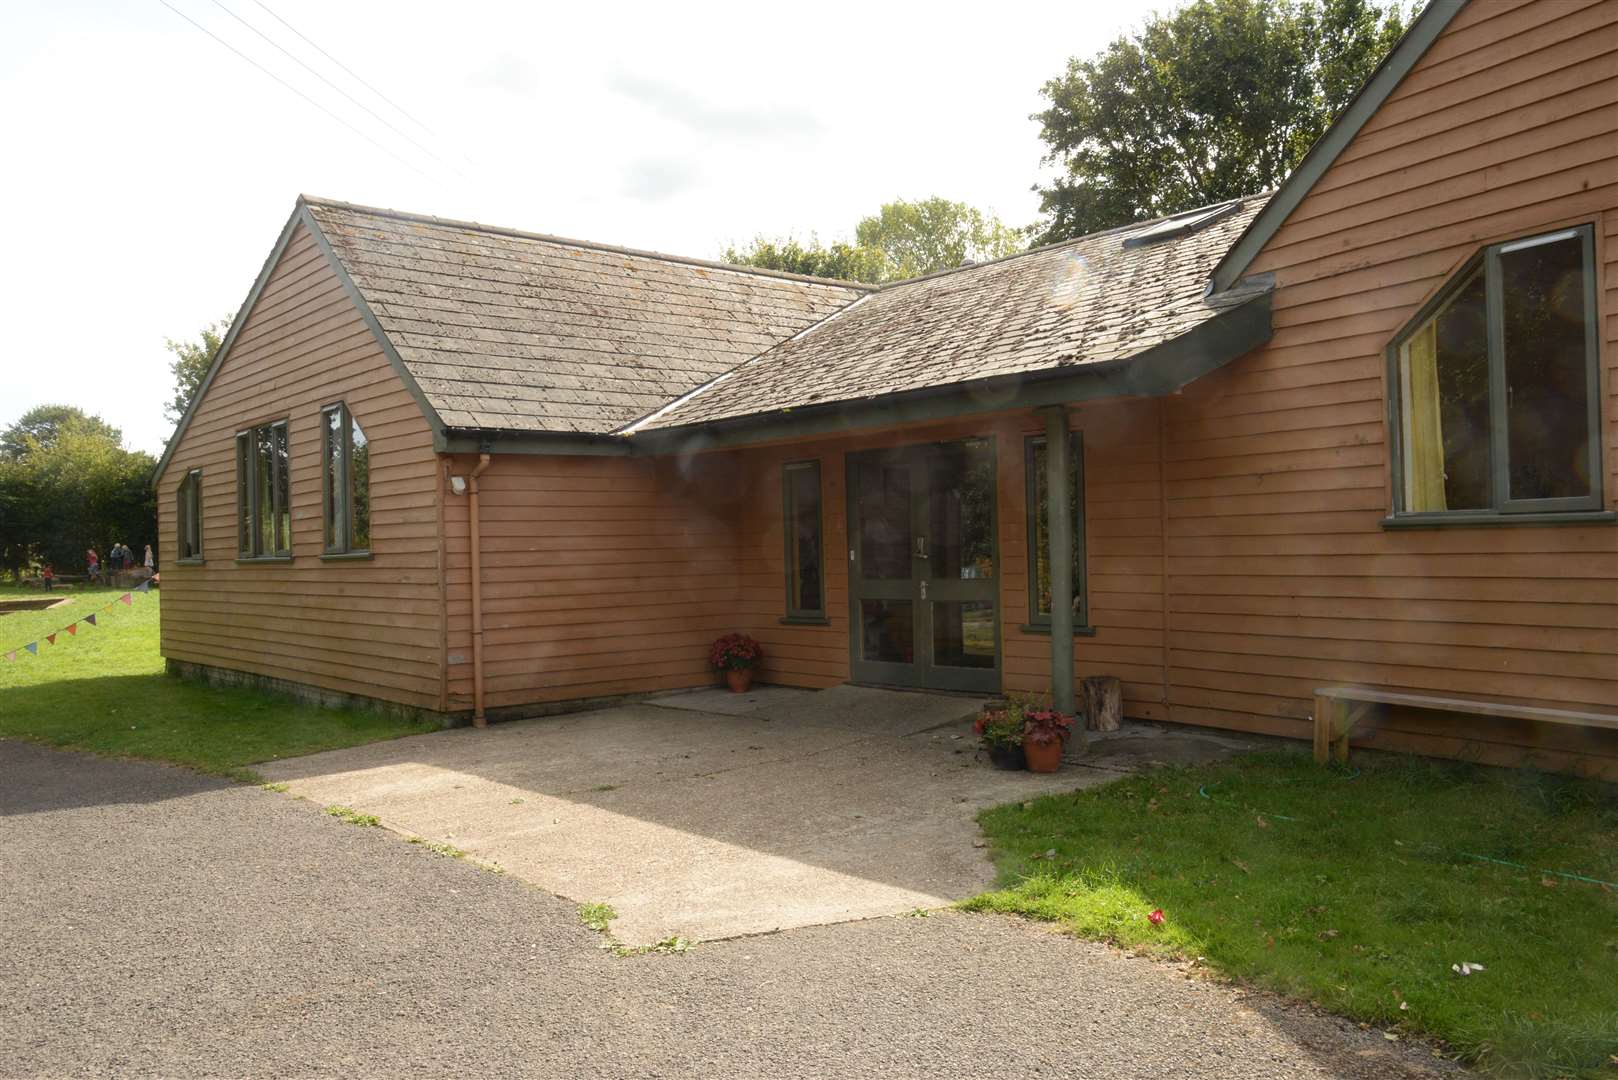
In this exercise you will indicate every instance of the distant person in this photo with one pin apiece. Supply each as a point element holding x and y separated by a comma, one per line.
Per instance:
<point>93,565</point>
<point>115,557</point>
<point>48,576</point>
<point>151,564</point>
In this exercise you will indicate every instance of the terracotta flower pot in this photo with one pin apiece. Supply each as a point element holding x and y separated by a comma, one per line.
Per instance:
<point>741,679</point>
<point>1043,756</point>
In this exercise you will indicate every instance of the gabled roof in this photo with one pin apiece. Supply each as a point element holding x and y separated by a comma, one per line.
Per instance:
<point>1409,49</point>
<point>1079,306</point>
<point>517,332</point>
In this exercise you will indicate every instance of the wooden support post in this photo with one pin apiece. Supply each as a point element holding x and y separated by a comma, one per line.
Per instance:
<point>1059,524</point>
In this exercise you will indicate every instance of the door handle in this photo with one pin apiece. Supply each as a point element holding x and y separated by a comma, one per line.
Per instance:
<point>921,547</point>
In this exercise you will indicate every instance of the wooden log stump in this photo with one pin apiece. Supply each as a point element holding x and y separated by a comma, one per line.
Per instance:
<point>1103,702</point>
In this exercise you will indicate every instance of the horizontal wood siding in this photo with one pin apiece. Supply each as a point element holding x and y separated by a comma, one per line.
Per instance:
<point>1281,578</point>
<point>372,628</point>
<point>602,576</point>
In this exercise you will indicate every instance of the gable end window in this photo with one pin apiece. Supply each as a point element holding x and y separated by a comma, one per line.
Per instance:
<point>1494,388</point>
<point>345,483</point>
<point>188,517</point>
<point>800,488</point>
<point>1039,537</point>
<point>263,498</point>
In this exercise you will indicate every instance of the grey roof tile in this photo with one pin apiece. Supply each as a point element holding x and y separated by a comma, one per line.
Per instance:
<point>1081,302</point>
<point>519,332</point>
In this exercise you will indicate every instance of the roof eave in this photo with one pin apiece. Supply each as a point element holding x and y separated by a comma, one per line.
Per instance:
<point>1361,107</point>
<point>300,216</point>
<point>471,440</point>
<point>229,339</point>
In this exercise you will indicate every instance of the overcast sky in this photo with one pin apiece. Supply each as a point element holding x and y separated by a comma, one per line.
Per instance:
<point>149,169</point>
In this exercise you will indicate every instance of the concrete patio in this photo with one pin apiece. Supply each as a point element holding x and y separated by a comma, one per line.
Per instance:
<point>710,815</point>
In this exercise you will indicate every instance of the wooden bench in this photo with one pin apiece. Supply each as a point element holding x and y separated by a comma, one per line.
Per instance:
<point>1339,708</point>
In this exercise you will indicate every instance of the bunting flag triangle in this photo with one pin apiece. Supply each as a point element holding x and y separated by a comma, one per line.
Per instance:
<point>32,647</point>
<point>72,629</point>
<point>12,655</point>
<point>90,618</point>
<point>50,639</point>
<point>126,599</point>
<point>144,586</point>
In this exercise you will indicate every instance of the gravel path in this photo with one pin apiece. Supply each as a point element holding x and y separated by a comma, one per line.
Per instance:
<point>153,922</point>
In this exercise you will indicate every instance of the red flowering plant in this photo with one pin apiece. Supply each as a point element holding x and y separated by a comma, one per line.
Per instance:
<point>735,652</point>
<point>1043,725</point>
<point>998,725</point>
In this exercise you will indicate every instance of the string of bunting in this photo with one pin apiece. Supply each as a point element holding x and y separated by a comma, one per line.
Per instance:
<point>72,628</point>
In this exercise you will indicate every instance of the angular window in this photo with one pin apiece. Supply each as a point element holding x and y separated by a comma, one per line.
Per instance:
<point>800,484</point>
<point>1039,538</point>
<point>346,483</point>
<point>263,495</point>
<point>1495,386</point>
<point>188,517</point>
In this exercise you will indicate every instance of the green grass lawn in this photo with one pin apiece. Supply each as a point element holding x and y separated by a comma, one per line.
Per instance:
<point>104,689</point>
<point>1356,889</point>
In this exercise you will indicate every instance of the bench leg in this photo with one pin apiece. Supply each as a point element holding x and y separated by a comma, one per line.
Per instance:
<point>1323,710</point>
<point>1348,716</point>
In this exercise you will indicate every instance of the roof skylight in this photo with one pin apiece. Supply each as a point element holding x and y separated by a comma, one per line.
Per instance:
<point>1179,225</point>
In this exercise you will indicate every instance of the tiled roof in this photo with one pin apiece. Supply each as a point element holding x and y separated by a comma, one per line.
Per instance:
<point>1079,303</point>
<point>511,331</point>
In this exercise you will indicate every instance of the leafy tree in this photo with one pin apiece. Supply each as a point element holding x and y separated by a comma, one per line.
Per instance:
<point>1216,100</point>
<point>190,365</point>
<point>70,486</point>
<point>843,261</point>
<point>40,426</point>
<point>933,234</point>
<point>902,240</point>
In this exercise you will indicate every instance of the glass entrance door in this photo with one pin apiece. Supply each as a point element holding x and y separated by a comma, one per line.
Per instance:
<point>922,566</point>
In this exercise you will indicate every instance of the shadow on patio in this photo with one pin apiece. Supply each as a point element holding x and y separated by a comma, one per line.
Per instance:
<point>810,808</point>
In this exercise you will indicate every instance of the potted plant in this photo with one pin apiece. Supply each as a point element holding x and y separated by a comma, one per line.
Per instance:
<point>1043,732</point>
<point>999,729</point>
<point>736,655</point>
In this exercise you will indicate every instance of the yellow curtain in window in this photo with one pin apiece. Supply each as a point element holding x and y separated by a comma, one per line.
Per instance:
<point>1424,433</point>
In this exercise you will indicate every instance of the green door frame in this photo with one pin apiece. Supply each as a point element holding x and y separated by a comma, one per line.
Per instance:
<point>921,590</point>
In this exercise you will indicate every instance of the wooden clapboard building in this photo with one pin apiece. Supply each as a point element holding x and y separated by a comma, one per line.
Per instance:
<point>1359,432</point>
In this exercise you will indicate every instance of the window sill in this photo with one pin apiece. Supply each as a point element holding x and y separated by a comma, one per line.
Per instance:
<point>1464,520</point>
<point>254,560</point>
<point>1045,630</point>
<point>345,556</point>
<point>804,620</point>
<point>188,562</point>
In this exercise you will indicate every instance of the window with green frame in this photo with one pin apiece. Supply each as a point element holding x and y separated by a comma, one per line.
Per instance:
<point>800,491</point>
<point>1495,388</point>
<point>263,500</point>
<point>1039,537</point>
<point>345,483</point>
<point>188,517</point>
